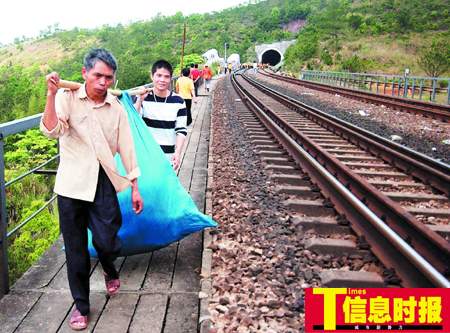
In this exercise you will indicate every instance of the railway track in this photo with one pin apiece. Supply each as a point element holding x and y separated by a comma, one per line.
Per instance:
<point>339,176</point>
<point>427,109</point>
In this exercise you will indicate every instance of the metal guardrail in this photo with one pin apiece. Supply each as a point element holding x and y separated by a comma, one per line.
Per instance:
<point>414,87</point>
<point>7,129</point>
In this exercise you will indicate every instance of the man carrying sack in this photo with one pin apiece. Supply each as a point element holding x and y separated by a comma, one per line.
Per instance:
<point>92,127</point>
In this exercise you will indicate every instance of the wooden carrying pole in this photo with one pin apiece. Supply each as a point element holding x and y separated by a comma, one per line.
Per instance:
<point>75,86</point>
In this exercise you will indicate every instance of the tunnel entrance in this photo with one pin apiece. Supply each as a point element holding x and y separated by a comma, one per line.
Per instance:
<point>271,57</point>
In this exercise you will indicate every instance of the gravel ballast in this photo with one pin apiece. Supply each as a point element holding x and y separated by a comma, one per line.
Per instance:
<point>256,272</point>
<point>428,136</point>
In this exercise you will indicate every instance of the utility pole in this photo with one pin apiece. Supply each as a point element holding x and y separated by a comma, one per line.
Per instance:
<point>182,48</point>
<point>225,57</point>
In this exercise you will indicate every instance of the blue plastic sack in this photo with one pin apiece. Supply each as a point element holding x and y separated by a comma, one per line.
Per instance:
<point>169,212</point>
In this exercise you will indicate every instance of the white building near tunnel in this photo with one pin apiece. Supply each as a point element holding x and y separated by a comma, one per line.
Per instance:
<point>212,56</point>
<point>272,54</point>
<point>235,61</point>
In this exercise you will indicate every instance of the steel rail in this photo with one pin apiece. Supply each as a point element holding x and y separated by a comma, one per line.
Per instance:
<point>433,247</point>
<point>428,170</point>
<point>433,110</point>
<point>413,268</point>
<point>428,242</point>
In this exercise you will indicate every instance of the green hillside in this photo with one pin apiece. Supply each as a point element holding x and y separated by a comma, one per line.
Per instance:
<point>359,35</point>
<point>373,36</point>
<point>136,47</point>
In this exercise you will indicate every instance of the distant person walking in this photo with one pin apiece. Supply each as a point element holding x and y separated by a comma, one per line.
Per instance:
<point>185,87</point>
<point>195,76</point>
<point>165,113</point>
<point>207,76</point>
<point>92,127</point>
<point>230,67</point>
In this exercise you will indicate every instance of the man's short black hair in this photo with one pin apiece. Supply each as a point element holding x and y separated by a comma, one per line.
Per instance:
<point>186,71</point>
<point>162,64</point>
<point>192,65</point>
<point>95,55</point>
<point>196,65</point>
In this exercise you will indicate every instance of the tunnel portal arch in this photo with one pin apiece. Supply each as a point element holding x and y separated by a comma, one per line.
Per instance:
<point>272,57</point>
<point>273,53</point>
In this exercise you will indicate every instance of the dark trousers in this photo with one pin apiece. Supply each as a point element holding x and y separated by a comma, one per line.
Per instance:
<point>189,112</point>
<point>104,219</point>
<point>196,84</point>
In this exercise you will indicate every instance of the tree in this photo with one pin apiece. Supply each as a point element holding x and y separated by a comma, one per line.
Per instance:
<point>189,59</point>
<point>435,59</point>
<point>306,47</point>
<point>331,21</point>
<point>250,55</point>
<point>275,15</point>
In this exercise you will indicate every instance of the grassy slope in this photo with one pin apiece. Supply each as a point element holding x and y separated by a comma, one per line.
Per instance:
<point>32,52</point>
<point>41,52</point>
<point>389,54</point>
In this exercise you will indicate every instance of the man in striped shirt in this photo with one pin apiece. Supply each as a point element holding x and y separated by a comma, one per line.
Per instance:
<point>165,113</point>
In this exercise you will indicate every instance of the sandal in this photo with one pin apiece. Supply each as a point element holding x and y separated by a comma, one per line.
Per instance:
<point>112,285</point>
<point>77,321</point>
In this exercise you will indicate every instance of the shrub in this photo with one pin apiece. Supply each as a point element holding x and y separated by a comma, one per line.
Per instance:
<point>443,83</point>
<point>32,240</point>
<point>354,64</point>
<point>23,152</point>
<point>304,49</point>
<point>326,58</point>
<point>435,58</point>
<point>354,21</point>
<point>27,150</point>
<point>187,61</point>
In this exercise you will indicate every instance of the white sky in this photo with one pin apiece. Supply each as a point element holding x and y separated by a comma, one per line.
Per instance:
<point>28,17</point>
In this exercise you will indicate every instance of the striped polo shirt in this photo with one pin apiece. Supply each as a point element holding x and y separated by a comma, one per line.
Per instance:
<point>165,118</point>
